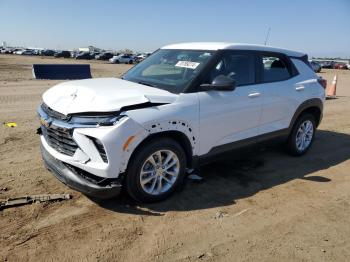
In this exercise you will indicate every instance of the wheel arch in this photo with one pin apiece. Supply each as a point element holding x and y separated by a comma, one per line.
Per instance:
<point>177,136</point>
<point>313,106</point>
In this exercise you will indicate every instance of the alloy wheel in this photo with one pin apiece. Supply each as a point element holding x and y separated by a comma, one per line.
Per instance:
<point>159,172</point>
<point>304,135</point>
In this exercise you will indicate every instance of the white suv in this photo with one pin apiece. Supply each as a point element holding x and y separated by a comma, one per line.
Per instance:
<point>122,59</point>
<point>182,105</point>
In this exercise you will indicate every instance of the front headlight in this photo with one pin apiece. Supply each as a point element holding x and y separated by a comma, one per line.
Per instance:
<point>107,120</point>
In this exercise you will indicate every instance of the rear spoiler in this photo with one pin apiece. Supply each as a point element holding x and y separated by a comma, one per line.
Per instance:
<point>304,59</point>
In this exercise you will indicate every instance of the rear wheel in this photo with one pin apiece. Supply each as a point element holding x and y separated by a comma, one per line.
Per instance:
<point>156,170</point>
<point>302,135</point>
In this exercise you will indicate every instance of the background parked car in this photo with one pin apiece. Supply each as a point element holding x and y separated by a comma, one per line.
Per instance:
<point>65,54</point>
<point>340,66</point>
<point>122,59</point>
<point>140,57</point>
<point>6,51</point>
<point>85,55</point>
<point>19,51</point>
<point>94,54</point>
<point>37,51</point>
<point>28,52</point>
<point>104,56</point>
<point>327,64</point>
<point>47,52</point>
<point>315,66</point>
<point>14,50</point>
<point>74,54</point>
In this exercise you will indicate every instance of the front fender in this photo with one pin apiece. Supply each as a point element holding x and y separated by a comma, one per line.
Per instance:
<point>158,127</point>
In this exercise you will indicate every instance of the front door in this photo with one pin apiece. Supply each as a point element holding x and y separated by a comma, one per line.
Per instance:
<point>230,116</point>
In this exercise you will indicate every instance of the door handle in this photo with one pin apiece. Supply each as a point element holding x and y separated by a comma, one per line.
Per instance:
<point>299,88</point>
<point>252,95</point>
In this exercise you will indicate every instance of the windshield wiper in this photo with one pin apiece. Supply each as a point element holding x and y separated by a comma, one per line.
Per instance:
<point>146,84</point>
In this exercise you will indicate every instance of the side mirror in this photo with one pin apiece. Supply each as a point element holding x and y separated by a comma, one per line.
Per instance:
<point>220,83</point>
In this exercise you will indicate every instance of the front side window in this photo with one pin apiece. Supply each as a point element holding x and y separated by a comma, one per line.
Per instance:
<point>274,69</point>
<point>168,69</point>
<point>236,65</point>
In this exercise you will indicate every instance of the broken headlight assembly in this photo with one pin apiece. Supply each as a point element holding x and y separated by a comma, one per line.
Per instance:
<point>99,120</point>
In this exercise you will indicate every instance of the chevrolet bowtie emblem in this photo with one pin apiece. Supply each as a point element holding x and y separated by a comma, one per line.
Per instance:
<point>74,95</point>
<point>45,122</point>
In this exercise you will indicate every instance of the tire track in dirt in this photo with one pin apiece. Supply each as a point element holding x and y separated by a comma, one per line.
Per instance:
<point>13,99</point>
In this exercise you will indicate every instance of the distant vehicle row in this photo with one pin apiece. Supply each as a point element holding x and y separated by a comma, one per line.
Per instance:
<point>115,58</point>
<point>118,58</point>
<point>317,66</point>
<point>334,65</point>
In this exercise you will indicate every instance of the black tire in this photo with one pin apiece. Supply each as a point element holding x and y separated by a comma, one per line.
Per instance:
<point>291,145</point>
<point>133,173</point>
<point>117,62</point>
<point>131,62</point>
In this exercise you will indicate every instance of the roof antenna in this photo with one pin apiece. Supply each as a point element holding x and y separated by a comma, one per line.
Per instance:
<point>267,35</point>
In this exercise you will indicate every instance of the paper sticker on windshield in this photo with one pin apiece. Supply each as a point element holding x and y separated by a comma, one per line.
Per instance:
<point>187,64</point>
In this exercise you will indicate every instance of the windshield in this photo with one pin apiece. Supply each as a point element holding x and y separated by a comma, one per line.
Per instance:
<point>170,70</point>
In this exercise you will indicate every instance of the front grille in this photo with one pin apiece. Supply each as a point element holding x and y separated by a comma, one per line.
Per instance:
<point>60,139</point>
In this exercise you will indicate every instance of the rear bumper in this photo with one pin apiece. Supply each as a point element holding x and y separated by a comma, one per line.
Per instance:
<point>76,181</point>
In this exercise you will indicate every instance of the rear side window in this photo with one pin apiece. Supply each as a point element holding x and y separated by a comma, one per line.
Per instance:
<point>274,68</point>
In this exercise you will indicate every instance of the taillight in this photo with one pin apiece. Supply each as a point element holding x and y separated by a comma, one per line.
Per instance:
<point>322,82</point>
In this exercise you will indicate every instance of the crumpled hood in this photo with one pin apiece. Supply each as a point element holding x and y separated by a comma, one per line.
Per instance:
<point>102,95</point>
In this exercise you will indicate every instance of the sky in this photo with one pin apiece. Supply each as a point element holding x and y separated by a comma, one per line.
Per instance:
<point>319,28</point>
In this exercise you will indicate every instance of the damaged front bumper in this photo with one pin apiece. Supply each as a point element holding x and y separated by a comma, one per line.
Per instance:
<point>80,180</point>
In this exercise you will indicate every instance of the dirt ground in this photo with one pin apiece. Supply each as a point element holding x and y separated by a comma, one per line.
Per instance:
<point>264,207</point>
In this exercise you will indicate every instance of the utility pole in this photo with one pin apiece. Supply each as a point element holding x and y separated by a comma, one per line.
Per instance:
<point>267,35</point>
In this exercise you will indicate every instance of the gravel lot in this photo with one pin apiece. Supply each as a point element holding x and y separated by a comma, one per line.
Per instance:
<point>264,207</point>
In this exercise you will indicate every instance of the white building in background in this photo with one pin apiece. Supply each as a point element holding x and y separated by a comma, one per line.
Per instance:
<point>89,49</point>
<point>4,44</point>
<point>36,48</point>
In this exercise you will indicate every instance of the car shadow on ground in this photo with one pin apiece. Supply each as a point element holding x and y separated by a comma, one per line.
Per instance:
<point>231,178</point>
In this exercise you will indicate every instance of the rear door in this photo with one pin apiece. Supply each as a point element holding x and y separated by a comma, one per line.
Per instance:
<point>280,91</point>
<point>230,116</point>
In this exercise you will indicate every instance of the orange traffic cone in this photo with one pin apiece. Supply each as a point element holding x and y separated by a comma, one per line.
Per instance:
<point>332,90</point>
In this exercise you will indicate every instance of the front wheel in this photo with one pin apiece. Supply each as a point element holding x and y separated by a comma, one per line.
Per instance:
<point>302,135</point>
<point>156,170</point>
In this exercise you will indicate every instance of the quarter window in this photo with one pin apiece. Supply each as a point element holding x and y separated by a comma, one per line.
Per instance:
<point>274,69</point>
